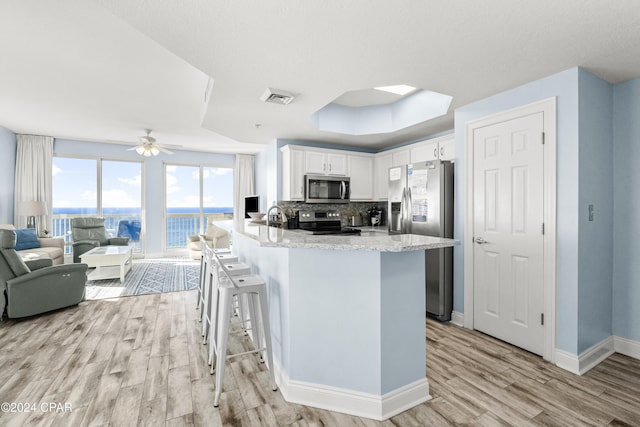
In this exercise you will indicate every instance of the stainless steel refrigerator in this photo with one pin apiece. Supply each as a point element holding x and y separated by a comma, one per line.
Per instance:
<point>421,202</point>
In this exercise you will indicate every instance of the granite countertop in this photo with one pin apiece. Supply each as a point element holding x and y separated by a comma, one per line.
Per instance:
<point>370,239</point>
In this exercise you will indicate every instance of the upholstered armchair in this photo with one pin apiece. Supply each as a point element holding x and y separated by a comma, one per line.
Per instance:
<point>217,237</point>
<point>89,233</point>
<point>36,286</point>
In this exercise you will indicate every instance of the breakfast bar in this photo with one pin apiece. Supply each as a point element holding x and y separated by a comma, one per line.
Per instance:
<point>347,316</point>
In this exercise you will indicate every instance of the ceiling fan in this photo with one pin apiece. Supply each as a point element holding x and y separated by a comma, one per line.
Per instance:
<point>148,146</point>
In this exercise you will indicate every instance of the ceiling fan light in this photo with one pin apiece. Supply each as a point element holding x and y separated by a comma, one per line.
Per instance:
<point>147,152</point>
<point>155,151</point>
<point>140,149</point>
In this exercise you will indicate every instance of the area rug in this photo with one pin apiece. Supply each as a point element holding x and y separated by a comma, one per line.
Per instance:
<point>149,276</point>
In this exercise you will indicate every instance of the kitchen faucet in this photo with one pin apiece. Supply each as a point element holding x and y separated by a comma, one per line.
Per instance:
<point>278,209</point>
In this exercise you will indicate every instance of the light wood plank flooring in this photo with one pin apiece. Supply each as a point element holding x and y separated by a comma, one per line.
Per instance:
<point>140,361</point>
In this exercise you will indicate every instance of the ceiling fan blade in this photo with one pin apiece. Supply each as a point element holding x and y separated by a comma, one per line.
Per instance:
<point>164,150</point>
<point>133,148</point>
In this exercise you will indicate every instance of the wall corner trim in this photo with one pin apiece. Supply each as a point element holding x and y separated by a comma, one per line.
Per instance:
<point>375,407</point>
<point>589,358</point>
<point>627,347</point>
<point>457,318</point>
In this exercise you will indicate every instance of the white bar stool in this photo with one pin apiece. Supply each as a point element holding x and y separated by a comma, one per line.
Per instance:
<point>204,265</point>
<point>209,312</point>
<point>255,289</point>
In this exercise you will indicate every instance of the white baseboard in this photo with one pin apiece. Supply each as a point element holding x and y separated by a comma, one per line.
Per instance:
<point>627,347</point>
<point>457,318</point>
<point>589,358</point>
<point>376,407</point>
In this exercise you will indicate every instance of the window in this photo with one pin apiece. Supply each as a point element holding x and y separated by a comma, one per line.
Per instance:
<point>98,187</point>
<point>193,193</point>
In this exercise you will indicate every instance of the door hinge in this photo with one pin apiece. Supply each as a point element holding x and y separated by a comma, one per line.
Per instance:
<point>542,138</point>
<point>542,318</point>
<point>543,228</point>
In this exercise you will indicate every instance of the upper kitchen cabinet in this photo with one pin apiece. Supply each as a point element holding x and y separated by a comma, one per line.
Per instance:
<point>325,163</point>
<point>292,173</point>
<point>383,162</point>
<point>400,157</point>
<point>360,168</point>
<point>434,149</point>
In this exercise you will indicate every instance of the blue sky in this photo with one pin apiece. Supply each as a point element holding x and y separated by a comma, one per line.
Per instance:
<point>75,184</point>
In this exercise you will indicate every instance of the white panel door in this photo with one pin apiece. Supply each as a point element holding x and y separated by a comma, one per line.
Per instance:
<point>508,240</point>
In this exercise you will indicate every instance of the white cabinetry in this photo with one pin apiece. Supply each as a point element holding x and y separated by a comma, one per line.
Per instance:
<point>325,163</point>
<point>400,157</point>
<point>383,162</point>
<point>442,148</point>
<point>360,168</point>
<point>447,148</point>
<point>292,173</point>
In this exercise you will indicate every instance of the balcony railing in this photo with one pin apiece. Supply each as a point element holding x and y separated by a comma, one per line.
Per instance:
<point>178,227</point>
<point>61,227</point>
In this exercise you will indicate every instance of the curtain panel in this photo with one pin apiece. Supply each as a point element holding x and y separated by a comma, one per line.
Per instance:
<point>34,160</point>
<point>243,186</point>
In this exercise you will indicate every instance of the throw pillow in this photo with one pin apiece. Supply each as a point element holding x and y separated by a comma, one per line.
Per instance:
<point>27,239</point>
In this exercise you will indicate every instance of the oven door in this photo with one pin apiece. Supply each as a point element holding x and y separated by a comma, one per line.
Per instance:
<point>326,189</point>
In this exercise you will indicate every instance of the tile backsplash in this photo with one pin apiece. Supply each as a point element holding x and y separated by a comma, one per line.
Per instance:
<point>346,209</point>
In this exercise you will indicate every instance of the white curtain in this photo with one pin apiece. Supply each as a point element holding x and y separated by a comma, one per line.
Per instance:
<point>243,185</point>
<point>34,158</point>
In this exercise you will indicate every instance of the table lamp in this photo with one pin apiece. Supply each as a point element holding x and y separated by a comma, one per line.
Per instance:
<point>31,209</point>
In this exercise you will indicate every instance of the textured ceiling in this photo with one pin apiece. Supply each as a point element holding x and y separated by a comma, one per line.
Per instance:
<point>106,69</point>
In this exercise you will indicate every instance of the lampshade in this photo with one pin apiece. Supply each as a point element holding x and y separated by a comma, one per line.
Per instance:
<point>155,151</point>
<point>32,208</point>
<point>139,149</point>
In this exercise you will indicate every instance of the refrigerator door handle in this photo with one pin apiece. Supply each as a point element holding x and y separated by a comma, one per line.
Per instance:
<point>402,210</point>
<point>409,211</point>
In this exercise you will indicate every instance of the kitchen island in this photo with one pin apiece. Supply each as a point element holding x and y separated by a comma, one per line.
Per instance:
<point>347,316</point>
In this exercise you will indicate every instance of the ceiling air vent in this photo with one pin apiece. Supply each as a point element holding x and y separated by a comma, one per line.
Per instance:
<point>277,96</point>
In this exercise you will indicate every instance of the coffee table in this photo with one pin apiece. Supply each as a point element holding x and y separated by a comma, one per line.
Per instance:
<point>110,262</point>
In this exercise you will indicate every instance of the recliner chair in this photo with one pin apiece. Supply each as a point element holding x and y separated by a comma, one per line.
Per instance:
<point>36,286</point>
<point>89,233</point>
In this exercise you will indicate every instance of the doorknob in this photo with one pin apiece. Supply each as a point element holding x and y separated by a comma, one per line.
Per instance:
<point>480,240</point>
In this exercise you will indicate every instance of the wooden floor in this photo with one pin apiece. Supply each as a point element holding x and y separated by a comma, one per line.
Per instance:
<point>139,361</point>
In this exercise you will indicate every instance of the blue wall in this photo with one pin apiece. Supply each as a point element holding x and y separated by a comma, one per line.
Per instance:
<point>595,262</point>
<point>7,174</point>
<point>626,212</point>
<point>152,176</point>
<point>564,86</point>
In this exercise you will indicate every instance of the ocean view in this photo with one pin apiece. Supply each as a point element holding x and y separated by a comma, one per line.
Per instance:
<point>181,221</point>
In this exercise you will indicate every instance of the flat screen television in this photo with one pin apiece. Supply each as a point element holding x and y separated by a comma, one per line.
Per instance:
<point>251,204</point>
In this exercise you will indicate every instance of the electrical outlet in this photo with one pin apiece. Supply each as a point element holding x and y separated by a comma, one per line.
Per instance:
<point>590,212</point>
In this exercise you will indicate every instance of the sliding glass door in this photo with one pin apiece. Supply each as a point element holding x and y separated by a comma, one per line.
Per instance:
<point>193,194</point>
<point>98,187</point>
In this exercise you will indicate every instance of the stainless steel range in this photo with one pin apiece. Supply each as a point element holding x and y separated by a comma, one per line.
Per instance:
<point>324,222</point>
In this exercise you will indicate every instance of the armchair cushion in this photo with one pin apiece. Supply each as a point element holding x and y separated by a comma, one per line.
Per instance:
<point>26,239</point>
<point>119,241</point>
<point>37,264</point>
<point>214,232</point>
<point>12,259</point>
<point>16,264</point>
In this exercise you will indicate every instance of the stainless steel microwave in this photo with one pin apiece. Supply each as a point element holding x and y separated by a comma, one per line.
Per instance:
<point>326,189</point>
